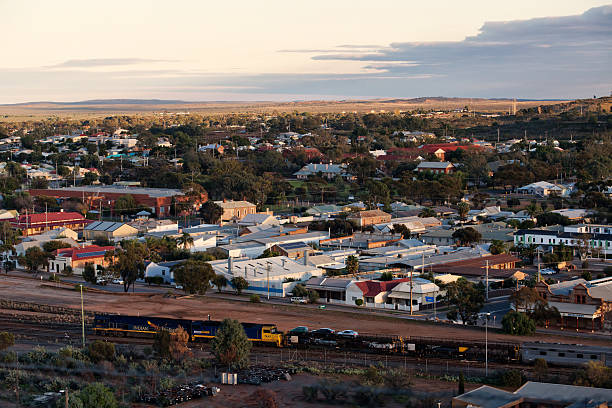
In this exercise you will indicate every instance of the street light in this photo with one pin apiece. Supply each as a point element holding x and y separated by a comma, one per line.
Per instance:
<point>82,316</point>
<point>487,345</point>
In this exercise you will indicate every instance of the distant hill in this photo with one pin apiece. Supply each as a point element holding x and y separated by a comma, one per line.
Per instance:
<point>102,102</point>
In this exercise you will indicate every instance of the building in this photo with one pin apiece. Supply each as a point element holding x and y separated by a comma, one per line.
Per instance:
<point>327,170</point>
<point>370,217</point>
<point>435,167</point>
<point>422,292</point>
<point>330,290</point>
<point>31,224</point>
<point>77,258</point>
<point>582,304</point>
<point>159,200</point>
<point>293,250</point>
<point>235,210</point>
<point>162,269</point>
<point>596,239</point>
<point>362,240</point>
<point>258,219</point>
<point>535,394</point>
<point>275,276</point>
<point>543,189</point>
<point>108,230</point>
<point>372,293</point>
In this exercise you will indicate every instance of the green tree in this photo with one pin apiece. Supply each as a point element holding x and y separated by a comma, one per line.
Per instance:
<point>89,273</point>
<point>73,401</point>
<point>126,204</point>
<point>541,368</point>
<point>220,282</point>
<point>386,276</point>
<point>239,284</point>
<point>401,229</point>
<point>465,300</point>
<point>231,347</point>
<point>461,388</point>
<point>427,212</point>
<point>33,259</point>
<point>161,343</point>
<point>128,262</point>
<point>352,265</point>
<point>466,236</point>
<point>185,241</point>
<point>498,247</point>
<point>194,276</point>
<point>101,351</point>
<point>97,395</point>
<point>211,213</point>
<point>51,246</point>
<point>463,208</point>
<point>518,324</point>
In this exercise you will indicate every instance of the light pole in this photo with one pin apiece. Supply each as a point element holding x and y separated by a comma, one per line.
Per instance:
<point>82,316</point>
<point>487,345</point>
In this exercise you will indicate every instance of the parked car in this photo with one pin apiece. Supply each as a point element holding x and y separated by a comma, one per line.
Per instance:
<point>118,281</point>
<point>299,300</point>
<point>178,286</point>
<point>299,330</point>
<point>348,333</point>
<point>324,331</point>
<point>101,281</point>
<point>548,271</point>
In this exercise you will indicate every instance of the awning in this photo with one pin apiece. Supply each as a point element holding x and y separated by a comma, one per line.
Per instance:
<point>576,310</point>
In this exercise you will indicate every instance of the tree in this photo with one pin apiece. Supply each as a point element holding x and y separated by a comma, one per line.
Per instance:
<point>97,395</point>
<point>51,246</point>
<point>427,212</point>
<point>461,387</point>
<point>352,265</point>
<point>161,343</point>
<point>89,273</point>
<point>194,276</point>
<point>518,324</point>
<point>33,259</point>
<point>540,367</point>
<point>498,247</point>
<point>211,212</point>
<point>185,241</point>
<point>230,346</point>
<point>239,284</point>
<point>466,236</point>
<point>465,301</point>
<point>179,338</point>
<point>401,229</point>
<point>6,340</point>
<point>463,208</point>
<point>220,282</point>
<point>126,204</point>
<point>525,298</point>
<point>128,262</point>
<point>386,276</point>
<point>101,351</point>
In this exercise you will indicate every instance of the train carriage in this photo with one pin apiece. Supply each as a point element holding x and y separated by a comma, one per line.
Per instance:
<point>565,354</point>
<point>136,326</point>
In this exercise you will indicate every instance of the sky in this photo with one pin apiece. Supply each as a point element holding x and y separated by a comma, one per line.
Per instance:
<point>242,50</point>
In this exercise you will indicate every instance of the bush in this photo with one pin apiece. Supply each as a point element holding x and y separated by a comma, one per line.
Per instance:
<point>511,378</point>
<point>311,394</point>
<point>254,298</point>
<point>6,340</point>
<point>54,278</point>
<point>359,302</point>
<point>101,351</point>
<point>518,324</point>
<point>97,395</point>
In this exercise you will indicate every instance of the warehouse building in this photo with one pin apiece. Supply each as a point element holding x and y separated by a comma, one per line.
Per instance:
<point>110,231</point>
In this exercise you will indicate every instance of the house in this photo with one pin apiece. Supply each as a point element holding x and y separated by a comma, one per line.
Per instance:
<point>57,233</point>
<point>258,219</point>
<point>254,245</point>
<point>327,170</point>
<point>370,217</point>
<point>293,250</point>
<point>535,394</point>
<point>275,276</point>
<point>582,304</point>
<point>214,147</point>
<point>235,210</point>
<point>361,240</point>
<point>145,224</point>
<point>440,149</point>
<point>108,230</point>
<point>415,224</point>
<point>543,189</point>
<point>325,210</point>
<point>330,290</point>
<point>77,258</point>
<point>435,167</point>
<point>372,293</point>
<point>422,292</point>
<point>162,269</point>
<point>31,224</point>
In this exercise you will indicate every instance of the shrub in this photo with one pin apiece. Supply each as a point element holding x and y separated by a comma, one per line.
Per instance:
<point>54,278</point>
<point>101,351</point>
<point>254,298</point>
<point>311,394</point>
<point>6,340</point>
<point>97,395</point>
<point>518,324</point>
<point>511,378</point>
<point>359,302</point>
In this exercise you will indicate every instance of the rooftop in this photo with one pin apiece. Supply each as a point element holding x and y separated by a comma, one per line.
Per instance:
<point>116,189</point>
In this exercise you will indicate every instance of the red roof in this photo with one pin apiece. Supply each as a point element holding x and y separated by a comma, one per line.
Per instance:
<point>88,252</point>
<point>52,218</point>
<point>373,288</point>
<point>448,147</point>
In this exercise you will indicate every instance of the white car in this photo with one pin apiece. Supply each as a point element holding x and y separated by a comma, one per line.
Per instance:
<point>118,281</point>
<point>548,271</point>
<point>348,333</point>
<point>299,300</point>
<point>178,286</point>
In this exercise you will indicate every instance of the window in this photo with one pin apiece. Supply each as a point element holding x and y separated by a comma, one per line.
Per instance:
<point>593,357</point>
<point>561,354</point>
<point>542,353</point>
<point>579,356</point>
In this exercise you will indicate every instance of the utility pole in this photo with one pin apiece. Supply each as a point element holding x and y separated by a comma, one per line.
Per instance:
<point>82,316</point>
<point>487,280</point>
<point>268,277</point>
<point>487,345</point>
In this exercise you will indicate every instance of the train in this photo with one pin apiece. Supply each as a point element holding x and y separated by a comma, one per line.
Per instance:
<point>425,347</point>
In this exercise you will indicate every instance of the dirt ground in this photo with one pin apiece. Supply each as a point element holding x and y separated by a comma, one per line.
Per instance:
<point>289,393</point>
<point>284,316</point>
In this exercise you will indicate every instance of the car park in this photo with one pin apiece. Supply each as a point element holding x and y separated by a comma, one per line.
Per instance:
<point>348,333</point>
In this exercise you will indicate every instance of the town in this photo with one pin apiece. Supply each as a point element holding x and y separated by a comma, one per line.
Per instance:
<point>445,220</point>
<point>306,204</point>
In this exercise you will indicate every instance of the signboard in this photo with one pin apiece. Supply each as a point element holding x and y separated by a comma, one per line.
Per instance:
<point>429,299</point>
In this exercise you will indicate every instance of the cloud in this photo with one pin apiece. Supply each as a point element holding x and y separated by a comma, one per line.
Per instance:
<point>104,62</point>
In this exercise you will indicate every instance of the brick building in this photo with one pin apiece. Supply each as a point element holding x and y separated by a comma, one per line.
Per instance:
<point>77,258</point>
<point>235,210</point>
<point>371,217</point>
<point>33,224</point>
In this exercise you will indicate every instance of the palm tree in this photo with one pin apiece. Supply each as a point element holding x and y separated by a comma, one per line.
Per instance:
<point>185,241</point>
<point>533,209</point>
